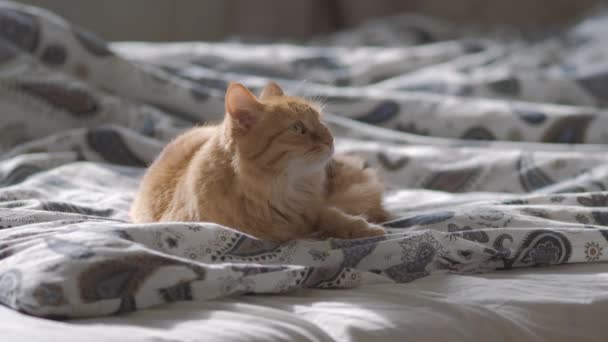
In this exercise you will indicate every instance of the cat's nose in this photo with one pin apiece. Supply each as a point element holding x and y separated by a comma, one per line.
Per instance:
<point>327,139</point>
<point>323,136</point>
<point>326,136</point>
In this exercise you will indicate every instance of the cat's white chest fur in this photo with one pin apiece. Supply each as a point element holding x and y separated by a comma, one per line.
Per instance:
<point>299,196</point>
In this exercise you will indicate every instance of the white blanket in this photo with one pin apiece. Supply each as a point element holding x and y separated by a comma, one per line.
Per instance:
<point>480,181</point>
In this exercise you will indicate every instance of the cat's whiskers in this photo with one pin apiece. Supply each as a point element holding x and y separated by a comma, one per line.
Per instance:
<point>317,102</point>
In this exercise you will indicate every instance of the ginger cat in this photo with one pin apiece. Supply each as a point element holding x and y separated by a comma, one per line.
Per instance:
<point>266,170</point>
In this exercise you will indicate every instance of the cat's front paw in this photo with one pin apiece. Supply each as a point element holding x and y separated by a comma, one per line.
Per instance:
<point>360,229</point>
<point>371,230</point>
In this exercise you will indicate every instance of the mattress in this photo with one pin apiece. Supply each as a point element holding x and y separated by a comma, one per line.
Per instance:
<point>492,150</point>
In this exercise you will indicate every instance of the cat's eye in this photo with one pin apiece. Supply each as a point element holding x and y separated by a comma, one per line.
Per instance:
<point>297,128</point>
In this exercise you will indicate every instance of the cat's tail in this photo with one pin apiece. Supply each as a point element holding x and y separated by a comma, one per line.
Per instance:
<point>362,199</point>
<point>356,188</point>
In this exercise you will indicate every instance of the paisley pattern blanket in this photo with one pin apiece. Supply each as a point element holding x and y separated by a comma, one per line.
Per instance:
<point>493,150</point>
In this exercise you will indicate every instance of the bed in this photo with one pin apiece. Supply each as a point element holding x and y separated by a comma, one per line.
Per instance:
<point>493,150</point>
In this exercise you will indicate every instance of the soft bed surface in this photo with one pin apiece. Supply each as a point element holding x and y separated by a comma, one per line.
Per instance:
<point>493,151</point>
<point>559,304</point>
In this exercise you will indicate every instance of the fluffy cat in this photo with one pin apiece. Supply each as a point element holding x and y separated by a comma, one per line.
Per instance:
<point>267,170</point>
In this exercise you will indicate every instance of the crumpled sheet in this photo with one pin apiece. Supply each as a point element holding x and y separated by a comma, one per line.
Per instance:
<point>492,150</point>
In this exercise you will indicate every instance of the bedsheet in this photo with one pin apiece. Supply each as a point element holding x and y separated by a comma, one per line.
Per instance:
<point>493,151</point>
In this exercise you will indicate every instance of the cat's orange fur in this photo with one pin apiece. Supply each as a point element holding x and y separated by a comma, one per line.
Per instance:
<point>266,170</point>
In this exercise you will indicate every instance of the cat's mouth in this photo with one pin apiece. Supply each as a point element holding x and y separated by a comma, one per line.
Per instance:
<point>325,151</point>
<point>323,148</point>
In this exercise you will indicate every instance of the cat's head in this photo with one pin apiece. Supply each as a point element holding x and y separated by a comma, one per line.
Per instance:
<point>276,131</point>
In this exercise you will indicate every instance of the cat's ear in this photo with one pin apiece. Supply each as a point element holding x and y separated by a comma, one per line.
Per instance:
<point>271,89</point>
<point>242,106</point>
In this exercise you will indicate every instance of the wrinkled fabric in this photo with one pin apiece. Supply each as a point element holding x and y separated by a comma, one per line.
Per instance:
<point>493,153</point>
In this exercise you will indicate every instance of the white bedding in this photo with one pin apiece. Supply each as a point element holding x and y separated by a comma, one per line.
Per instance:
<point>560,303</point>
<point>494,152</point>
